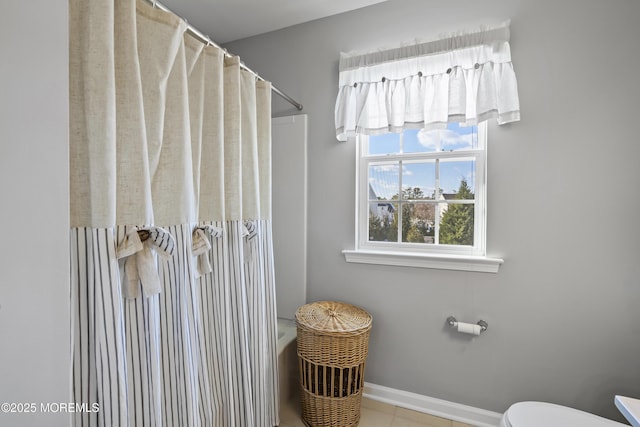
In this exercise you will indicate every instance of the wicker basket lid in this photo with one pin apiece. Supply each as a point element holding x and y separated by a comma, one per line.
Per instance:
<point>333,317</point>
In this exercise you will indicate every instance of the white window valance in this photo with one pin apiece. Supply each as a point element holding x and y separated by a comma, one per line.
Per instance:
<point>466,79</point>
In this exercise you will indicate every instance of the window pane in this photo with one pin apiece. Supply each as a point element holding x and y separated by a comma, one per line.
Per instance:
<point>453,138</point>
<point>384,180</point>
<point>418,180</point>
<point>418,221</point>
<point>457,178</point>
<point>383,222</point>
<point>456,224</point>
<point>412,142</point>
<point>388,143</point>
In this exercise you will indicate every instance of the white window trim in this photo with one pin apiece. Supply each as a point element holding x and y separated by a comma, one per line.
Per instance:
<point>440,257</point>
<point>481,264</point>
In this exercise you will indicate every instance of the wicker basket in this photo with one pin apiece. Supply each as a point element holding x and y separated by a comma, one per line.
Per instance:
<point>333,341</point>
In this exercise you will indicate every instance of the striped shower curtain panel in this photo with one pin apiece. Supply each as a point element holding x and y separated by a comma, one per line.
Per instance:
<point>172,279</point>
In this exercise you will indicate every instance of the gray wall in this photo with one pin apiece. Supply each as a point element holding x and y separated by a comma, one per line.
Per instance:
<point>34,199</point>
<point>563,312</point>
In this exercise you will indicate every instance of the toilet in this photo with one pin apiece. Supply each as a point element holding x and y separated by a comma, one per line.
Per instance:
<point>541,414</point>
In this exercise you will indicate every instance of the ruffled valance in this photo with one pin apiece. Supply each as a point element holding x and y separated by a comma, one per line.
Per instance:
<point>464,79</point>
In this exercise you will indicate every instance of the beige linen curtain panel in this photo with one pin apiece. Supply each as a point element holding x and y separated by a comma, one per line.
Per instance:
<point>172,281</point>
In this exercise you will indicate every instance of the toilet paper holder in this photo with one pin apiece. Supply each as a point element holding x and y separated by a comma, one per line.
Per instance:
<point>451,321</point>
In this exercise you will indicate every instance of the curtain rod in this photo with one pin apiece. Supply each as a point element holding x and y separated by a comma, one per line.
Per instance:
<point>206,39</point>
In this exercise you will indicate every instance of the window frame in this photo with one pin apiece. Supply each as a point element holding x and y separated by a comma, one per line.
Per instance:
<point>457,257</point>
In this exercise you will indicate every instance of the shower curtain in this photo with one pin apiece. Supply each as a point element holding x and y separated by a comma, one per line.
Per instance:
<point>172,281</point>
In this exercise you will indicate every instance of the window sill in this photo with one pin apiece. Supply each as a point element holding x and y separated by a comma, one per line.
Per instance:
<point>438,261</point>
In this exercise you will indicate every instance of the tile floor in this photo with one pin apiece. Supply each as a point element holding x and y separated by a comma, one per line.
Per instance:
<point>375,414</point>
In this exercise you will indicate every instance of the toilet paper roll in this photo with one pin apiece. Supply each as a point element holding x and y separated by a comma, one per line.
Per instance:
<point>469,328</point>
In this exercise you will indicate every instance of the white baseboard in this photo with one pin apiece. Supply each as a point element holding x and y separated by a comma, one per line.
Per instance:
<point>430,405</point>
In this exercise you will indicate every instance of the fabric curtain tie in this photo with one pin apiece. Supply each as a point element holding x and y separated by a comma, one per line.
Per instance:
<point>201,244</point>
<point>249,231</point>
<point>140,264</point>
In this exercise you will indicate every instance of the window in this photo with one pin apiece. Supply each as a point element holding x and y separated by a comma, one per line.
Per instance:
<point>423,190</point>
<point>421,199</point>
